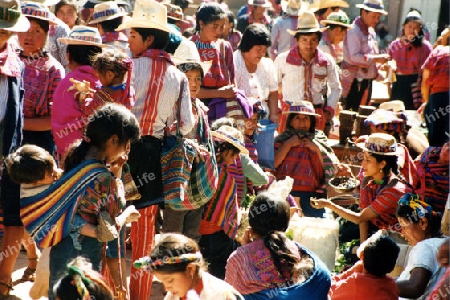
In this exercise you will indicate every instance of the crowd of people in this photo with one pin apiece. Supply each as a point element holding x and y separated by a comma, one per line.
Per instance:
<point>91,97</point>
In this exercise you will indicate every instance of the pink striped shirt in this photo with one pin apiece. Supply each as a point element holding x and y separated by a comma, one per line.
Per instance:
<point>409,59</point>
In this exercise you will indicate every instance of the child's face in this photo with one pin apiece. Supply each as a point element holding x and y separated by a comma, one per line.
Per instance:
<point>50,177</point>
<point>178,283</point>
<point>195,81</point>
<point>105,78</point>
<point>229,157</point>
<point>136,44</point>
<point>251,124</point>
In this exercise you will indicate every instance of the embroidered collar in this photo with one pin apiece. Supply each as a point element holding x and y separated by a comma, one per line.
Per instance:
<point>295,59</point>
<point>158,55</point>
<point>363,27</point>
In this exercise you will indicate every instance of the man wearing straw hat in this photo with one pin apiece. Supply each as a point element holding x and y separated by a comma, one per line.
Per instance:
<point>281,39</point>
<point>306,72</point>
<point>11,115</point>
<point>323,8</point>
<point>256,15</point>
<point>107,17</point>
<point>337,24</point>
<point>159,85</point>
<point>359,67</point>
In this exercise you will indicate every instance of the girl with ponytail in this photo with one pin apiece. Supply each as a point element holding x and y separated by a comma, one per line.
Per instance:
<point>269,264</point>
<point>96,192</point>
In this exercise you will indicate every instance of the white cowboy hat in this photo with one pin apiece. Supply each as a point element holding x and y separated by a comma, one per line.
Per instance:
<point>337,18</point>
<point>307,22</point>
<point>263,3</point>
<point>148,14</point>
<point>381,144</point>
<point>38,11</point>
<point>11,17</point>
<point>106,11</point>
<point>374,6</point>
<point>301,107</point>
<point>291,7</point>
<point>394,105</point>
<point>83,35</point>
<point>231,135</point>
<point>319,4</point>
<point>187,53</point>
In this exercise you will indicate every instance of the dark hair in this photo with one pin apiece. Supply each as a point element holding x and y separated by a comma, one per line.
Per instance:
<point>380,256</point>
<point>208,13</point>
<point>391,163</point>
<point>299,34</point>
<point>111,25</point>
<point>29,164</point>
<point>111,119</point>
<point>408,213</point>
<point>312,119</point>
<point>66,2</point>
<point>254,35</point>
<point>191,66</point>
<point>45,25</point>
<point>333,26</point>
<point>161,38</point>
<point>82,54</point>
<point>174,245</point>
<point>94,283</point>
<point>417,40</point>
<point>110,60</point>
<point>221,147</point>
<point>269,218</point>
<point>321,11</point>
<point>188,32</point>
<point>181,3</point>
<point>230,16</point>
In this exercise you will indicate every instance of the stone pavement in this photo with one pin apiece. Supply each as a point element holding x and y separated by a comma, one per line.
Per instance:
<point>21,289</point>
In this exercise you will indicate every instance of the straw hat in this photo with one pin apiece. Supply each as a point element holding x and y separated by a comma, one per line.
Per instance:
<point>337,18</point>
<point>47,2</point>
<point>319,4</point>
<point>385,120</point>
<point>394,105</point>
<point>83,35</point>
<point>148,14</point>
<point>301,107</point>
<point>174,12</point>
<point>187,53</point>
<point>106,11</point>
<point>380,143</point>
<point>231,135</point>
<point>307,22</point>
<point>38,11</point>
<point>263,3</point>
<point>11,17</point>
<point>374,6</point>
<point>291,7</point>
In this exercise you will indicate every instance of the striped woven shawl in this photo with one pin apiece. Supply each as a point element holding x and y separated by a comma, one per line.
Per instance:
<point>47,216</point>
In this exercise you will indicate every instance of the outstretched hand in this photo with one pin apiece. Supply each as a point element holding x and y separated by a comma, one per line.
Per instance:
<point>319,203</point>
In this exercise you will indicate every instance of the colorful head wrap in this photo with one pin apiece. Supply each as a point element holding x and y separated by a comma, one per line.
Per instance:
<point>386,120</point>
<point>148,263</point>
<point>79,280</point>
<point>419,207</point>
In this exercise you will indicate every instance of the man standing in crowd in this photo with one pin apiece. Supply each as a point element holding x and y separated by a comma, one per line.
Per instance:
<point>361,56</point>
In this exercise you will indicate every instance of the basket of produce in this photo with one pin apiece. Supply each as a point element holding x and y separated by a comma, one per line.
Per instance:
<point>343,184</point>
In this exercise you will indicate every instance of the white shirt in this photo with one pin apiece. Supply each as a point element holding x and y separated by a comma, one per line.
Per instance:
<point>166,109</point>
<point>258,85</point>
<point>423,255</point>
<point>309,81</point>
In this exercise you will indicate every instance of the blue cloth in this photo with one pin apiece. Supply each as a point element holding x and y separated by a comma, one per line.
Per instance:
<point>264,138</point>
<point>305,204</point>
<point>315,288</point>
